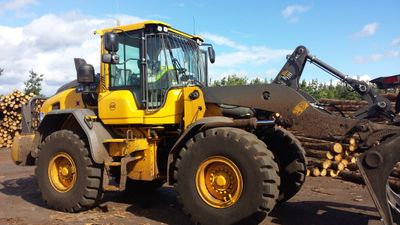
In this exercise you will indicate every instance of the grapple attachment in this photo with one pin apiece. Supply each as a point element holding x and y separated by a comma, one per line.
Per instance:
<point>375,166</point>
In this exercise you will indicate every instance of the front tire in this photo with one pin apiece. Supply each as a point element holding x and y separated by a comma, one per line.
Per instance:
<point>68,178</point>
<point>226,176</point>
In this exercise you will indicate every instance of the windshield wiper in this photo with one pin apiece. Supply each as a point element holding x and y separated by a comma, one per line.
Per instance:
<point>178,67</point>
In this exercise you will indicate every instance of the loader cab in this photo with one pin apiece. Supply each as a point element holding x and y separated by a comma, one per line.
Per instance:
<point>150,61</point>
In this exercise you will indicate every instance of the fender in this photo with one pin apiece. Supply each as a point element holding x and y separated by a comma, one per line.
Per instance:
<point>93,129</point>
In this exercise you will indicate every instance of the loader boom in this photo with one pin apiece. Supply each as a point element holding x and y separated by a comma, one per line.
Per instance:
<point>290,74</point>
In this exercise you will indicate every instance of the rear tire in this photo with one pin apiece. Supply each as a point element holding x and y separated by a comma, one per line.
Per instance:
<point>68,178</point>
<point>291,159</point>
<point>234,161</point>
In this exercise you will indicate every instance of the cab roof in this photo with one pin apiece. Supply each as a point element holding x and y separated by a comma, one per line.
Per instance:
<point>141,25</point>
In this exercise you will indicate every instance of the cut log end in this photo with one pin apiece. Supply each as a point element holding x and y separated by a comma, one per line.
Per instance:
<point>316,172</point>
<point>337,148</point>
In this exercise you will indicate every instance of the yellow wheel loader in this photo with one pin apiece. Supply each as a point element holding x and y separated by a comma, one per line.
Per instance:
<point>149,118</point>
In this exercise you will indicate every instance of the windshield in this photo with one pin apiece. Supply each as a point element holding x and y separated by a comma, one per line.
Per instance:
<point>172,60</point>
<point>176,55</point>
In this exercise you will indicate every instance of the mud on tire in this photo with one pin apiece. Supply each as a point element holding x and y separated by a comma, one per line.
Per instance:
<point>259,173</point>
<point>86,191</point>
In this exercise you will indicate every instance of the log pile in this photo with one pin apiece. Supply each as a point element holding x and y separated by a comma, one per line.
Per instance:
<point>348,107</point>
<point>10,116</point>
<point>329,158</point>
<point>339,159</point>
<point>342,107</point>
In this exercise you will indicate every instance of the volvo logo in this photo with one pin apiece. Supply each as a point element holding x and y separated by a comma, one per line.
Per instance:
<point>113,106</point>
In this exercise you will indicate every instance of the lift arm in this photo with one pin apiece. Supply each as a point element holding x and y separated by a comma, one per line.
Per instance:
<point>290,74</point>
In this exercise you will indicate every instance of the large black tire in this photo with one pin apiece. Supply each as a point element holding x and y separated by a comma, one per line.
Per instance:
<point>291,159</point>
<point>257,167</point>
<point>86,191</point>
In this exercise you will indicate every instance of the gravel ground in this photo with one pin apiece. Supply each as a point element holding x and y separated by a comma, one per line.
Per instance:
<point>322,201</point>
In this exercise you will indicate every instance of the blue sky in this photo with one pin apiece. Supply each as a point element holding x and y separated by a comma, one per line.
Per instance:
<point>251,38</point>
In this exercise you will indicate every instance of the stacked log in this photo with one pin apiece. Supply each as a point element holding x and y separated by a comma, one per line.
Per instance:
<point>339,160</point>
<point>10,116</point>
<point>348,107</point>
<point>327,158</point>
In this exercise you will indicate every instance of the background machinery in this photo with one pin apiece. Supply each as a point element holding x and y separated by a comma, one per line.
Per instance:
<point>148,117</point>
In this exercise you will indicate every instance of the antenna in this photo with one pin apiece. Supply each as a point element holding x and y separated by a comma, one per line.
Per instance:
<point>117,16</point>
<point>194,26</point>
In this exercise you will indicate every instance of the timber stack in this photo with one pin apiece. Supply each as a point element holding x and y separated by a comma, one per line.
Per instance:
<point>327,158</point>
<point>349,107</point>
<point>338,160</point>
<point>10,116</point>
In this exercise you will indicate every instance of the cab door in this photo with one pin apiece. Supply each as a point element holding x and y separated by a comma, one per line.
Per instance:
<point>121,103</point>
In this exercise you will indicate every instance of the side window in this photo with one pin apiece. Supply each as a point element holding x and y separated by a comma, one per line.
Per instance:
<point>126,74</point>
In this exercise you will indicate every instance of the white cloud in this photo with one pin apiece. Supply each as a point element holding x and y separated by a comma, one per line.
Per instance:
<point>48,45</point>
<point>239,56</point>
<point>362,77</point>
<point>368,30</point>
<point>221,40</point>
<point>254,55</point>
<point>291,12</point>
<point>271,73</point>
<point>376,57</point>
<point>242,54</point>
<point>393,54</point>
<point>15,5</point>
<point>395,42</point>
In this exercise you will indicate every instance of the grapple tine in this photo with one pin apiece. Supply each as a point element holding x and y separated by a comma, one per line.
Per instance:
<point>393,200</point>
<point>375,166</point>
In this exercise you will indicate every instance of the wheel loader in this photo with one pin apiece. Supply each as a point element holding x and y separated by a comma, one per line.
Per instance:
<point>148,118</point>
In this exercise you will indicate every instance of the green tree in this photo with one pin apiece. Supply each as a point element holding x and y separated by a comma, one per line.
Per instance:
<point>34,83</point>
<point>322,90</point>
<point>314,87</point>
<point>257,81</point>
<point>231,80</point>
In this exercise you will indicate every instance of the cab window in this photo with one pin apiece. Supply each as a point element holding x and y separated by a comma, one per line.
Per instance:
<point>126,74</point>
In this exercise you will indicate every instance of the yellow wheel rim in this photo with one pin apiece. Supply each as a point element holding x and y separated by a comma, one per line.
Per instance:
<point>62,172</point>
<point>219,182</point>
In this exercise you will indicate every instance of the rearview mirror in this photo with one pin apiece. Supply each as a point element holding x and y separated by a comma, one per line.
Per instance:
<point>211,54</point>
<point>110,58</point>
<point>111,42</point>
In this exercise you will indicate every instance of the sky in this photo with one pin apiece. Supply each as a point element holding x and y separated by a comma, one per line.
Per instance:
<point>251,38</point>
